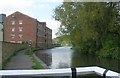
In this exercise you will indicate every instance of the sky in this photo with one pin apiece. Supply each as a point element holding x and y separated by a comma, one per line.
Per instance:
<point>40,10</point>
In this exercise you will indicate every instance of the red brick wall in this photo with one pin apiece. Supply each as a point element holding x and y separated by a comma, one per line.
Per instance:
<point>12,48</point>
<point>29,28</point>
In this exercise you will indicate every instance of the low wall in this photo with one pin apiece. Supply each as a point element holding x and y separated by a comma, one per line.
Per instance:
<point>9,49</point>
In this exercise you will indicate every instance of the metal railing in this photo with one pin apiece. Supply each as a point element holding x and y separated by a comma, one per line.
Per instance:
<point>73,72</point>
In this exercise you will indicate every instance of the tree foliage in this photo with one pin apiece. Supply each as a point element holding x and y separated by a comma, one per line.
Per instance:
<point>91,26</point>
<point>63,40</point>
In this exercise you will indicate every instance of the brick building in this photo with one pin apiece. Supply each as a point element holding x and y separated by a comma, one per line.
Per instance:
<point>20,28</point>
<point>23,28</point>
<point>41,37</point>
<point>48,37</point>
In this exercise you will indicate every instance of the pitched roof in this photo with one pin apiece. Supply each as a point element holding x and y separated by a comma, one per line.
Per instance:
<point>17,12</point>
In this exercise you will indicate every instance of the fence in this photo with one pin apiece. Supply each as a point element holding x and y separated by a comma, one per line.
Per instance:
<point>62,72</point>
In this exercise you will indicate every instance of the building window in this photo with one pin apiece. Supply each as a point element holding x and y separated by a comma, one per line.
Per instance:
<point>20,35</point>
<point>13,16</point>
<point>19,41</point>
<point>13,22</point>
<point>12,35</point>
<point>13,29</point>
<point>20,21</point>
<point>12,41</point>
<point>20,28</point>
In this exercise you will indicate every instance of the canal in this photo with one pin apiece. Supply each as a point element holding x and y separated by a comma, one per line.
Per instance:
<point>64,57</point>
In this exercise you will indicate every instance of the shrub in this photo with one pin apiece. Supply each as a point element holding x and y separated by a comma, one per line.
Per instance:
<point>110,47</point>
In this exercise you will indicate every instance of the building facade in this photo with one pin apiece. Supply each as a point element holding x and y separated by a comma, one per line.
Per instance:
<point>41,26</point>
<point>48,36</point>
<point>23,28</point>
<point>20,28</point>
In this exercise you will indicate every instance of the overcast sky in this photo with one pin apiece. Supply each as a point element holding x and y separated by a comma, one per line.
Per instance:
<point>41,10</point>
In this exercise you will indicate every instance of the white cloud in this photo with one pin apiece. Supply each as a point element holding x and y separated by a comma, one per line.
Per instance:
<point>54,26</point>
<point>11,6</point>
<point>31,8</point>
<point>17,2</point>
<point>50,1</point>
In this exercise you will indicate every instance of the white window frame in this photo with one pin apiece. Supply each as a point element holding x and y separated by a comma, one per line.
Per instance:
<point>19,41</point>
<point>20,29</point>
<point>20,21</point>
<point>13,16</point>
<point>12,41</point>
<point>20,36</point>
<point>13,22</point>
<point>12,35</point>
<point>13,29</point>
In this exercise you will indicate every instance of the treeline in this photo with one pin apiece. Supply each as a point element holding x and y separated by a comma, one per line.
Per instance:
<point>94,28</point>
<point>63,40</point>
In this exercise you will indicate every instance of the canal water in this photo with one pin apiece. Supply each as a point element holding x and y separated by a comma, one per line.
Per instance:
<point>64,57</point>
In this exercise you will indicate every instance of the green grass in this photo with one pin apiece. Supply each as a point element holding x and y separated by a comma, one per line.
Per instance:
<point>37,64</point>
<point>0,66</point>
<point>28,52</point>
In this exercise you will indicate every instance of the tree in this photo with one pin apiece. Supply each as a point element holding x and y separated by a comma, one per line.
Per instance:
<point>88,24</point>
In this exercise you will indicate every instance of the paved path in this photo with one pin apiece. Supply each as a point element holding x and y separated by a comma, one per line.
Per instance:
<point>20,61</point>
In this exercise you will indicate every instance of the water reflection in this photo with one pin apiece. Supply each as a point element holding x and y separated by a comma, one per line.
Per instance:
<point>45,58</point>
<point>80,60</point>
<point>63,57</point>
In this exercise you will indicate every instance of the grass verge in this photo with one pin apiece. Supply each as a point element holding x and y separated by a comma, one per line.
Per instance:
<point>37,64</point>
<point>0,67</point>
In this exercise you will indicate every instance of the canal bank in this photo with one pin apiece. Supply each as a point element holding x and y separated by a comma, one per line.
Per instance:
<point>64,57</point>
<point>24,60</point>
<point>40,61</point>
